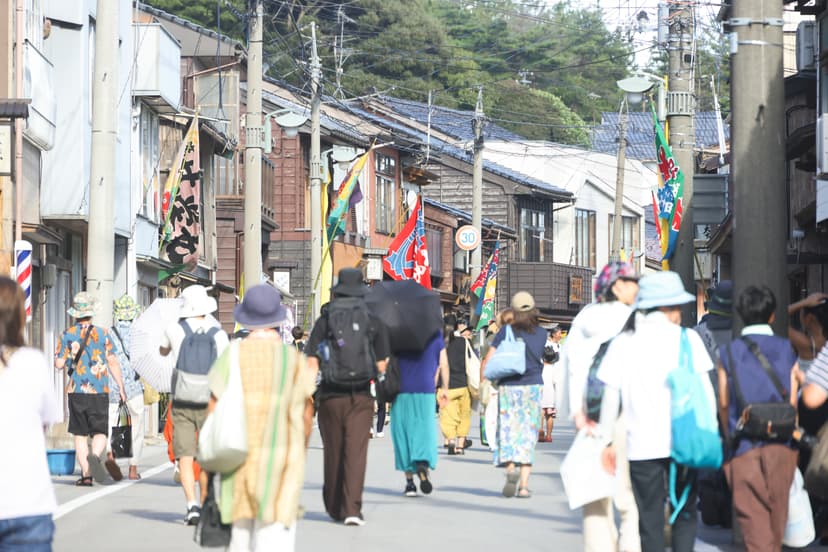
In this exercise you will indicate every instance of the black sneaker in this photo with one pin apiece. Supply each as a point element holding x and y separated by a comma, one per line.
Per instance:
<point>193,515</point>
<point>410,488</point>
<point>422,473</point>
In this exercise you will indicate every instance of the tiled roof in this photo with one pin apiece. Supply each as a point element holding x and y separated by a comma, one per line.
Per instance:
<point>641,134</point>
<point>12,108</point>
<point>439,146</point>
<point>453,122</point>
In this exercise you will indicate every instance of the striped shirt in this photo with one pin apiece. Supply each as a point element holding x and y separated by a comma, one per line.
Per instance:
<point>818,372</point>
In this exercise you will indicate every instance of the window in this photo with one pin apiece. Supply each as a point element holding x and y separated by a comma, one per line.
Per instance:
<point>629,235</point>
<point>385,168</point>
<point>532,234</point>
<point>585,238</point>
<point>150,157</point>
<point>434,243</point>
<point>34,23</point>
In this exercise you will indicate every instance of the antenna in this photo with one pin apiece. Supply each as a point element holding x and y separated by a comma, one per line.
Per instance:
<point>339,51</point>
<point>428,130</point>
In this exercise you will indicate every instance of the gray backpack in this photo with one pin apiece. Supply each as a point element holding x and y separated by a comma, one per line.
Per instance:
<point>196,356</point>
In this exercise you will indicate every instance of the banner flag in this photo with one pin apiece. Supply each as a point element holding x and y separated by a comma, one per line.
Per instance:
<point>671,190</point>
<point>407,257</point>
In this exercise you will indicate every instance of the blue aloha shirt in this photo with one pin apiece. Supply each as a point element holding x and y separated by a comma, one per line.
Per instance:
<point>133,386</point>
<point>91,373</point>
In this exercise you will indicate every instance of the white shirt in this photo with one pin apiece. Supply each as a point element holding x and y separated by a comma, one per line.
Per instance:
<point>595,324</point>
<point>26,406</point>
<point>174,334</point>
<point>637,364</point>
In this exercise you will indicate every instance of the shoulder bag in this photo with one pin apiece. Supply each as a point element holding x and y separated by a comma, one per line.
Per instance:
<point>222,441</point>
<point>80,351</point>
<point>509,358</point>
<point>472,371</point>
<point>769,421</point>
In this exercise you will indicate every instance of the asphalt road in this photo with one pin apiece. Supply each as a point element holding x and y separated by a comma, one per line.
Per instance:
<point>465,512</point>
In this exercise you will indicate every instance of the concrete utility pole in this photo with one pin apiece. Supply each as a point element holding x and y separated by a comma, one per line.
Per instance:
<point>19,38</point>
<point>101,239</point>
<point>253,155</point>
<point>758,152</point>
<point>477,186</point>
<point>315,173</point>
<point>618,213</point>
<point>681,107</point>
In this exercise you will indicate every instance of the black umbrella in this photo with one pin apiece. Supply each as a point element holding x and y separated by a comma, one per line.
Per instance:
<point>410,311</point>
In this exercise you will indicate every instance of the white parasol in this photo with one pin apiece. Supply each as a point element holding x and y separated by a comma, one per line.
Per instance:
<point>145,338</point>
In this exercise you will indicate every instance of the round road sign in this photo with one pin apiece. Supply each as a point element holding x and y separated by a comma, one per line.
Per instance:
<point>467,237</point>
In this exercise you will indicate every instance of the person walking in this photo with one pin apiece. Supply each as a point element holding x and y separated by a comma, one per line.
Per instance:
<point>551,356</point>
<point>261,497</point>
<point>195,341</point>
<point>124,312</point>
<point>615,291</point>
<point>415,434</point>
<point>716,326</point>
<point>86,352</point>
<point>345,411</point>
<point>519,399</point>
<point>635,371</point>
<point>489,415</point>
<point>27,409</point>
<point>759,472</point>
<point>455,416</point>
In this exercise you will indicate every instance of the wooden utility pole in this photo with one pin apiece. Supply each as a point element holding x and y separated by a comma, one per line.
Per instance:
<point>758,152</point>
<point>101,239</point>
<point>315,172</point>
<point>681,108</point>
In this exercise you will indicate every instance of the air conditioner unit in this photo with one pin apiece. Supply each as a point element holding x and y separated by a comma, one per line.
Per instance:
<point>806,46</point>
<point>822,145</point>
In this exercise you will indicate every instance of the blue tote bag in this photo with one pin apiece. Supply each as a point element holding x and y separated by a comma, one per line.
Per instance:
<point>509,359</point>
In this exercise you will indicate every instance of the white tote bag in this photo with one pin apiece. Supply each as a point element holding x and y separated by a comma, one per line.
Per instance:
<point>222,441</point>
<point>584,479</point>
<point>472,371</point>
<point>799,530</point>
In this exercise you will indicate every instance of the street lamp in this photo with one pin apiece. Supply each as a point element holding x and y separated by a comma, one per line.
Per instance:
<point>287,119</point>
<point>634,88</point>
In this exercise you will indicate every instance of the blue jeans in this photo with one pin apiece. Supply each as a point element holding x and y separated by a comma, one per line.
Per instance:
<point>27,534</point>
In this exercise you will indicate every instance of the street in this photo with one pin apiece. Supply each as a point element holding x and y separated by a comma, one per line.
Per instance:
<point>465,511</point>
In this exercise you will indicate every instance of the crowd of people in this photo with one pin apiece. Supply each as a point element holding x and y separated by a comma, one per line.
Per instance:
<point>611,374</point>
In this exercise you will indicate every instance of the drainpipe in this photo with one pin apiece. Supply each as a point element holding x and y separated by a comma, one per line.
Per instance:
<point>18,122</point>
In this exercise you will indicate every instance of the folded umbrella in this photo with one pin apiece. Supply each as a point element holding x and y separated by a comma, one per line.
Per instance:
<point>145,338</point>
<point>411,312</point>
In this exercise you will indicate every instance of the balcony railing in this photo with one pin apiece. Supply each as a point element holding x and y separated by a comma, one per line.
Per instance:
<point>228,186</point>
<point>555,287</point>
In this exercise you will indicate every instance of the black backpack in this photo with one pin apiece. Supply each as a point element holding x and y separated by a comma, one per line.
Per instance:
<point>195,358</point>
<point>348,362</point>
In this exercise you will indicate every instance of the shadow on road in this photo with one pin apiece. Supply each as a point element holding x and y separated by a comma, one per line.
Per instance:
<point>155,515</point>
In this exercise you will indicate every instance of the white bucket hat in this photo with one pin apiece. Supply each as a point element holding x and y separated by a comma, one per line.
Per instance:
<point>197,302</point>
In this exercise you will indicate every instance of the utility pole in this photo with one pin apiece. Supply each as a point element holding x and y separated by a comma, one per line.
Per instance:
<point>18,122</point>
<point>253,155</point>
<point>681,108</point>
<point>477,186</point>
<point>760,212</point>
<point>101,239</point>
<point>617,219</point>
<point>315,173</point>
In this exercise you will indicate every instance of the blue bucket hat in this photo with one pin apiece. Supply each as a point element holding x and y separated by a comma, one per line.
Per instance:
<point>261,308</point>
<point>662,289</point>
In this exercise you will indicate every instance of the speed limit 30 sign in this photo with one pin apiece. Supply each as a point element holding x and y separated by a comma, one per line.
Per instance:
<point>467,237</point>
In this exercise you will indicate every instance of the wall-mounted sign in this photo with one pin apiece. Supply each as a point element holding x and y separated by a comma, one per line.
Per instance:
<point>467,237</point>
<point>6,151</point>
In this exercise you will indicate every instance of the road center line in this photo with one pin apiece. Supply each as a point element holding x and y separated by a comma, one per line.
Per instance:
<point>76,503</point>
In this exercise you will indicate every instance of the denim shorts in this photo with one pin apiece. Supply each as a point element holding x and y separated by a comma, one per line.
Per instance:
<point>27,534</point>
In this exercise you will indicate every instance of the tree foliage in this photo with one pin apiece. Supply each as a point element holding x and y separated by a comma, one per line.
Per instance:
<point>546,71</point>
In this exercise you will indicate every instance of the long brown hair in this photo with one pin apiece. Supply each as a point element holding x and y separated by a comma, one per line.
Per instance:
<point>12,315</point>
<point>526,321</point>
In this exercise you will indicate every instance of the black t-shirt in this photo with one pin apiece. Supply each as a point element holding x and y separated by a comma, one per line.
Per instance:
<point>382,350</point>
<point>456,352</point>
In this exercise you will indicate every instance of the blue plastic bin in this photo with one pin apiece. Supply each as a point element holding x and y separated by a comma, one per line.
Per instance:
<point>61,461</point>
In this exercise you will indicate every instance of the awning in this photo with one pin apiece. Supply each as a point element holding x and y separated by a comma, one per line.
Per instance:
<point>14,108</point>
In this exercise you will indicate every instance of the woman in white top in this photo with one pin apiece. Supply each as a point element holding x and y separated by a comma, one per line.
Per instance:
<point>27,499</point>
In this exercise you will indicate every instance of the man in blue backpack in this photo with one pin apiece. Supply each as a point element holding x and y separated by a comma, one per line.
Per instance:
<point>195,341</point>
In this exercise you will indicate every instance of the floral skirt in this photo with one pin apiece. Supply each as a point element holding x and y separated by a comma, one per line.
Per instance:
<point>518,422</point>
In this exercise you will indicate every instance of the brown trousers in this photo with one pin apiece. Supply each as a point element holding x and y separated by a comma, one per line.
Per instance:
<point>761,481</point>
<point>345,424</point>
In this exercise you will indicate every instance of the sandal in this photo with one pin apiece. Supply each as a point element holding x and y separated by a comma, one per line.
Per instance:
<point>524,492</point>
<point>510,488</point>
<point>84,482</point>
<point>114,469</point>
<point>96,468</point>
<point>452,449</point>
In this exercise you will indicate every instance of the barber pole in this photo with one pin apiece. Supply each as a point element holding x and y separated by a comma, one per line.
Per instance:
<point>23,270</point>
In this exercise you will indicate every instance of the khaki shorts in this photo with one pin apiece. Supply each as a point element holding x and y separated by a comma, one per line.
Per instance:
<point>186,424</point>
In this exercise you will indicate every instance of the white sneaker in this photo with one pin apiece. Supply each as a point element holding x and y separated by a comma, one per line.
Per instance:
<point>354,521</point>
<point>380,435</point>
